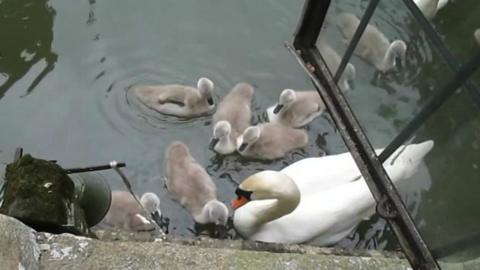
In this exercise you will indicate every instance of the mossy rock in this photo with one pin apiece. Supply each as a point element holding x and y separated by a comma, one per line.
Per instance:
<point>39,193</point>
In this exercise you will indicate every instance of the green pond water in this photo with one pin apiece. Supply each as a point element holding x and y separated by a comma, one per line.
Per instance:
<point>67,68</point>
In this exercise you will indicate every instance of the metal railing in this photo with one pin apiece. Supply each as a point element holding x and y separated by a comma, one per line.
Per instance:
<point>389,203</point>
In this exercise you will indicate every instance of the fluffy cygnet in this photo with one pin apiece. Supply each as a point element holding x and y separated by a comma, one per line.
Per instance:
<point>126,213</point>
<point>232,118</point>
<point>373,46</point>
<point>270,141</point>
<point>332,59</point>
<point>190,185</point>
<point>296,108</point>
<point>179,100</point>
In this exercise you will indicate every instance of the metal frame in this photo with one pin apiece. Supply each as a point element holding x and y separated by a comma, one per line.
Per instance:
<point>389,203</point>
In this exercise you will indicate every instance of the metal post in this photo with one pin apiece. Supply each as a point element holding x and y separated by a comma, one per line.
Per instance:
<point>308,30</point>
<point>93,168</point>
<point>372,5</point>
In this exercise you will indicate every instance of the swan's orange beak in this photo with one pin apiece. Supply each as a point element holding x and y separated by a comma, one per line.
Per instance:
<point>238,202</point>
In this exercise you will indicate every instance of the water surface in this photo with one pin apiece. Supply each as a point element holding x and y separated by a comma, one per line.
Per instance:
<point>67,68</point>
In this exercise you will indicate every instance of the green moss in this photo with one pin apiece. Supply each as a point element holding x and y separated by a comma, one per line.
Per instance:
<point>39,193</point>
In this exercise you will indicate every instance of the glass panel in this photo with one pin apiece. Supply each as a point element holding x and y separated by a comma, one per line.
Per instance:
<point>384,102</point>
<point>366,98</point>
<point>442,196</point>
<point>456,23</point>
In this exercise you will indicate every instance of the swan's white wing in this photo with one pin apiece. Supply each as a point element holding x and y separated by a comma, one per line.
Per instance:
<point>404,162</point>
<point>313,174</point>
<point>327,216</point>
<point>441,4</point>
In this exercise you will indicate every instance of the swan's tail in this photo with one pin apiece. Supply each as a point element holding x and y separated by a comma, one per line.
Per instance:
<point>404,162</point>
<point>441,4</point>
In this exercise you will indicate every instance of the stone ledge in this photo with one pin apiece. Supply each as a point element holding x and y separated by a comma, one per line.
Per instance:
<point>70,252</point>
<point>23,248</point>
<point>207,242</point>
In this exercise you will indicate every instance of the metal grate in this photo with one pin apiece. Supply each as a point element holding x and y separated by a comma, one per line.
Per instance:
<point>389,203</point>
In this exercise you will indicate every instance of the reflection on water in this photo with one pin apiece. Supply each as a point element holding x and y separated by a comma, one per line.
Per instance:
<point>26,41</point>
<point>84,113</point>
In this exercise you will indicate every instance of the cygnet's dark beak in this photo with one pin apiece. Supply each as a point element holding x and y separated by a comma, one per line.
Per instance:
<point>157,218</point>
<point>212,144</point>
<point>277,108</point>
<point>242,147</point>
<point>221,231</point>
<point>210,100</point>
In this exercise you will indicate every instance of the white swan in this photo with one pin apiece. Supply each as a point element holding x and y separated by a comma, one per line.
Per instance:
<point>321,199</point>
<point>270,141</point>
<point>332,59</point>
<point>126,213</point>
<point>429,8</point>
<point>191,186</point>
<point>373,46</point>
<point>232,117</point>
<point>296,108</point>
<point>178,100</point>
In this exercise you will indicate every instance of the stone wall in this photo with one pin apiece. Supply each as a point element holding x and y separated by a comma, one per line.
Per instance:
<point>23,248</point>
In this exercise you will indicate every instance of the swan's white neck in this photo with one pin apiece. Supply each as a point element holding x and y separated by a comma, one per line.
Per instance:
<point>251,216</point>
<point>276,208</point>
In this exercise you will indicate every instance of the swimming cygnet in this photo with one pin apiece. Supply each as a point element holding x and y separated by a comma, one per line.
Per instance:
<point>191,186</point>
<point>476,34</point>
<point>270,141</point>
<point>126,213</point>
<point>232,118</point>
<point>332,59</point>
<point>179,100</point>
<point>373,46</point>
<point>296,108</point>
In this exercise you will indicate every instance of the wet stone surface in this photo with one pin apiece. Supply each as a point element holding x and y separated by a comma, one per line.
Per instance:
<point>23,248</point>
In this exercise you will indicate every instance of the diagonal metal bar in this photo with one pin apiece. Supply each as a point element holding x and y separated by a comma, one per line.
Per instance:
<point>92,168</point>
<point>307,32</point>
<point>354,137</point>
<point>432,105</point>
<point>372,5</point>
<point>379,183</point>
